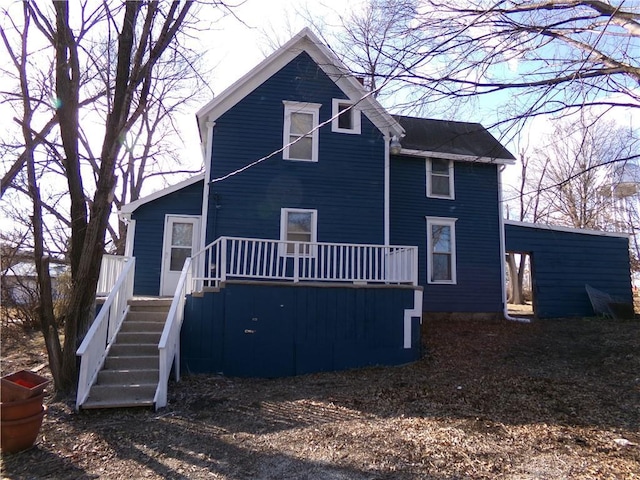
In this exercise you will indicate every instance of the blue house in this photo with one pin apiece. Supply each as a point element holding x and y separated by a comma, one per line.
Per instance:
<point>321,230</point>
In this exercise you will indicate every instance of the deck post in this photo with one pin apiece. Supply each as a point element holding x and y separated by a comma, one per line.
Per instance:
<point>223,259</point>
<point>296,262</point>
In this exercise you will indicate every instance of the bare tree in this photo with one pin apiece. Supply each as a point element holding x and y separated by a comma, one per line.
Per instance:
<point>151,147</point>
<point>145,34</point>
<point>374,40</point>
<point>551,56</point>
<point>571,167</point>
<point>555,54</point>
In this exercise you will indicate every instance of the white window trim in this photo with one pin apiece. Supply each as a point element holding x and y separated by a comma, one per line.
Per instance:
<point>300,107</point>
<point>355,117</point>
<point>450,222</point>
<point>282,247</point>
<point>452,194</point>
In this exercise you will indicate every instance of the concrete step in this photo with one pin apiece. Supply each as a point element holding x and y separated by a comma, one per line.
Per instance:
<point>124,338</point>
<point>114,396</point>
<point>150,304</point>
<point>128,376</point>
<point>134,349</point>
<point>145,316</point>
<point>138,362</point>
<point>137,326</point>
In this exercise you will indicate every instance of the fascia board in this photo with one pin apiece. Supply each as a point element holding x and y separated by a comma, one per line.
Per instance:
<point>558,228</point>
<point>456,157</point>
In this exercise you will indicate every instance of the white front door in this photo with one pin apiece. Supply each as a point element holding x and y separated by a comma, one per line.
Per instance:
<point>181,234</point>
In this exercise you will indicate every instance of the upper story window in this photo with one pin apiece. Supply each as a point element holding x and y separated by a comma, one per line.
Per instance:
<point>440,182</point>
<point>441,250</point>
<point>300,135</point>
<point>298,225</point>
<point>346,117</point>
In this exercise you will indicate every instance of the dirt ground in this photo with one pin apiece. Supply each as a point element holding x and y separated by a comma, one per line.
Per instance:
<point>489,400</point>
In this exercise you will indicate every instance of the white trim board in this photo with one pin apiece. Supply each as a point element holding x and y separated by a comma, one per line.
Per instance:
<point>456,157</point>
<point>129,208</point>
<point>558,228</point>
<point>304,41</point>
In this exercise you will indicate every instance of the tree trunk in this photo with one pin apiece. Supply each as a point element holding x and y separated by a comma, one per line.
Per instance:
<point>516,285</point>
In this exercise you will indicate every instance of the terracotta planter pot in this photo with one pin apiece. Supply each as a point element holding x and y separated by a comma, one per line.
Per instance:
<point>18,435</point>
<point>21,385</point>
<point>21,408</point>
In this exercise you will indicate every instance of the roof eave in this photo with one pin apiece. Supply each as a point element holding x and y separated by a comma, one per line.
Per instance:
<point>559,228</point>
<point>457,157</point>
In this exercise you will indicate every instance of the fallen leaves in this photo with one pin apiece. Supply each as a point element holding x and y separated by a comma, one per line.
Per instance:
<point>554,399</point>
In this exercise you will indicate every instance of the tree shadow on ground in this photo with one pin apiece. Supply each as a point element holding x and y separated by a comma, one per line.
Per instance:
<point>170,445</point>
<point>479,392</point>
<point>580,372</point>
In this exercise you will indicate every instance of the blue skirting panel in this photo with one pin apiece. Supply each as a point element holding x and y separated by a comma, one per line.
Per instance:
<point>267,330</point>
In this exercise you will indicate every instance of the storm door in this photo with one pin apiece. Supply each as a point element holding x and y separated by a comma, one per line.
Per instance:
<point>181,235</point>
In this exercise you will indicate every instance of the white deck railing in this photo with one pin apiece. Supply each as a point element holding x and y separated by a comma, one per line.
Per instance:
<point>250,258</point>
<point>110,269</point>
<point>169,345</point>
<point>102,333</point>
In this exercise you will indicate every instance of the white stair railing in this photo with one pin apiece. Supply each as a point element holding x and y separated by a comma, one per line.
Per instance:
<point>250,258</point>
<point>169,345</point>
<point>97,342</point>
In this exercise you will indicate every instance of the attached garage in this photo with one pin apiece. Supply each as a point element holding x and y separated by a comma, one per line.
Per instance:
<point>564,260</point>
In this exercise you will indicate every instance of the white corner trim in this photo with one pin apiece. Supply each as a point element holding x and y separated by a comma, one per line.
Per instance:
<point>456,157</point>
<point>387,191</point>
<point>208,153</point>
<point>558,228</point>
<point>409,313</point>
<point>131,235</point>
<point>131,207</point>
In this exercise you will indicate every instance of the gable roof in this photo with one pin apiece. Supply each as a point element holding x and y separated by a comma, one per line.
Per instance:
<point>304,41</point>
<point>127,209</point>
<point>451,140</point>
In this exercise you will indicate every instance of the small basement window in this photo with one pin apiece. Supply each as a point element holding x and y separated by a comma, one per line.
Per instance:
<point>346,117</point>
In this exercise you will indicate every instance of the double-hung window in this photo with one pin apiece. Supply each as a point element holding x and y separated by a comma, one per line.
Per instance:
<point>300,135</point>
<point>300,226</point>
<point>345,117</point>
<point>440,178</point>
<point>441,250</point>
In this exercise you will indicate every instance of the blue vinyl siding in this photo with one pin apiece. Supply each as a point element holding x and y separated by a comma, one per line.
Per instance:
<point>273,331</point>
<point>479,280</point>
<point>346,185</point>
<point>563,262</point>
<point>147,246</point>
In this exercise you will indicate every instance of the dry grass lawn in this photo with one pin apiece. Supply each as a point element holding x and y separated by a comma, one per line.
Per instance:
<point>489,400</point>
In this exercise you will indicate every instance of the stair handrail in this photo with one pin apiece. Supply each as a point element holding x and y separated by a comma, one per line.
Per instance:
<point>169,345</point>
<point>97,342</point>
